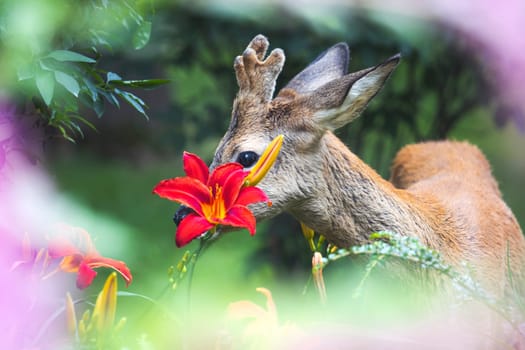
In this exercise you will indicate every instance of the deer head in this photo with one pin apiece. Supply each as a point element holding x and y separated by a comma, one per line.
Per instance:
<point>320,99</point>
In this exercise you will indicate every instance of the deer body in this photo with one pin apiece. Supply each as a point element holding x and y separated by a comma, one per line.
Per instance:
<point>441,192</point>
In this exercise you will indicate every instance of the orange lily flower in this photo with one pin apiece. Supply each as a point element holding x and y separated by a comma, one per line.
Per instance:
<point>83,258</point>
<point>262,329</point>
<point>219,198</point>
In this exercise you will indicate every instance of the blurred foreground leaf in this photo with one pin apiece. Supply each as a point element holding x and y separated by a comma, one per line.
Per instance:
<point>46,85</point>
<point>69,56</point>
<point>142,35</point>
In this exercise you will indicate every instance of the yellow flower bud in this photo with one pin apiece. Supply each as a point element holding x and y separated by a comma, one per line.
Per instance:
<point>106,304</point>
<point>265,162</point>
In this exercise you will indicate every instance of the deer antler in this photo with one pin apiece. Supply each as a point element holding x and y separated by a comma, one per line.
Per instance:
<point>256,75</point>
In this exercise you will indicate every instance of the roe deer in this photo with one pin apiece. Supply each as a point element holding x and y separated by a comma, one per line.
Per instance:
<point>441,192</point>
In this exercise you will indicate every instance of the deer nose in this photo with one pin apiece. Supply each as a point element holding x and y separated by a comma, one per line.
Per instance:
<point>181,213</point>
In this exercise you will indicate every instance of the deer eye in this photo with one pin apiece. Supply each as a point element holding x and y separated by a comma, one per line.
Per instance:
<point>247,159</point>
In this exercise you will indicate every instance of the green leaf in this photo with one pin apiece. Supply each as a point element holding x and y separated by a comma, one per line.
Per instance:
<point>134,101</point>
<point>65,134</point>
<point>91,89</point>
<point>111,98</point>
<point>147,83</point>
<point>142,35</point>
<point>98,107</point>
<point>25,72</point>
<point>45,83</point>
<point>49,64</point>
<point>70,56</point>
<point>110,77</point>
<point>98,38</point>
<point>84,121</point>
<point>68,82</point>
<point>74,127</point>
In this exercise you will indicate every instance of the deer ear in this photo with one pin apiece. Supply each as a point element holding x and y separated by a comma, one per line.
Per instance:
<point>342,100</point>
<point>329,65</point>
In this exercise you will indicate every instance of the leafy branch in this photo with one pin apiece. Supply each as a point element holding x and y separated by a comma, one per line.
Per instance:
<point>410,249</point>
<point>63,77</point>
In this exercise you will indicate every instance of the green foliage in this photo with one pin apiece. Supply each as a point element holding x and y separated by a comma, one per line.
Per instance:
<point>142,35</point>
<point>62,76</point>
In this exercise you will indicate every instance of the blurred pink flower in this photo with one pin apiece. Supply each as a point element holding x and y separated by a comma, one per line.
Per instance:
<point>27,301</point>
<point>496,29</point>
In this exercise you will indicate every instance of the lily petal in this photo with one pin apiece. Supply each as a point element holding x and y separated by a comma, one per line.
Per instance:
<point>195,167</point>
<point>61,247</point>
<point>85,276</point>
<point>270,304</point>
<point>262,320</point>
<point>117,265</point>
<point>221,173</point>
<point>249,195</point>
<point>191,227</point>
<point>85,240</point>
<point>240,216</point>
<point>232,187</point>
<point>71,263</point>
<point>186,190</point>
<point>243,309</point>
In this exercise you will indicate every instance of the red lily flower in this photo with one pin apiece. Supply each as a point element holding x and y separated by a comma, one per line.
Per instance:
<point>217,199</point>
<point>83,258</point>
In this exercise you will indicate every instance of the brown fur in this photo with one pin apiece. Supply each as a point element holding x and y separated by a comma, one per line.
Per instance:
<point>441,192</point>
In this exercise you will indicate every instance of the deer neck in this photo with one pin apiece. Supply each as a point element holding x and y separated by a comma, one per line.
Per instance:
<point>351,201</point>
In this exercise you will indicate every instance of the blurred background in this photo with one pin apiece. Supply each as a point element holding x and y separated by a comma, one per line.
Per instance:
<point>461,77</point>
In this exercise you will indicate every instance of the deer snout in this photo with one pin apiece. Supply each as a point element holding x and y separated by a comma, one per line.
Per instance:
<point>181,213</point>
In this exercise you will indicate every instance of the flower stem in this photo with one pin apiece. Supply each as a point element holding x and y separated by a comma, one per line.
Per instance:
<point>193,261</point>
<point>194,258</point>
